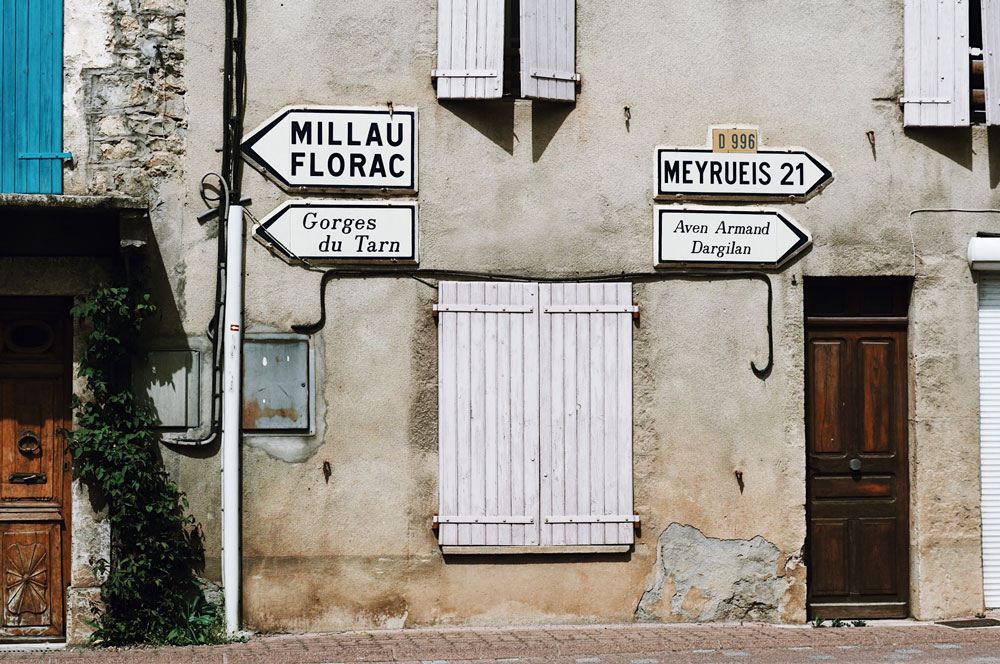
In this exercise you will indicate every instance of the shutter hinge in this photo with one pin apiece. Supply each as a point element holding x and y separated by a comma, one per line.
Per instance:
<point>464,73</point>
<point>555,75</point>
<point>925,100</point>
<point>67,156</point>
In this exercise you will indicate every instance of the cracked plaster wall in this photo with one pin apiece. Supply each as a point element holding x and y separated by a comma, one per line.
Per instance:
<point>705,579</point>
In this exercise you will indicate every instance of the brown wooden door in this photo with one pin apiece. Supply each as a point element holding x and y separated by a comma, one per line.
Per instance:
<point>857,478</point>
<point>34,467</point>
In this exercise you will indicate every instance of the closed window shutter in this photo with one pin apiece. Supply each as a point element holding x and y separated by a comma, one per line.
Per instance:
<point>31,96</point>
<point>548,49</point>
<point>936,66</point>
<point>470,49</point>
<point>585,353</point>
<point>991,59</point>
<point>488,413</point>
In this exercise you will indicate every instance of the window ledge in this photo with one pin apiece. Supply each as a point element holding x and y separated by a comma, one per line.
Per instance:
<point>70,201</point>
<point>452,550</point>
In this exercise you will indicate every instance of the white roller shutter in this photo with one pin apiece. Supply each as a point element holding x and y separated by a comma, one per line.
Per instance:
<point>488,413</point>
<point>470,49</point>
<point>936,63</point>
<point>586,414</point>
<point>548,49</point>
<point>991,59</point>
<point>989,391</point>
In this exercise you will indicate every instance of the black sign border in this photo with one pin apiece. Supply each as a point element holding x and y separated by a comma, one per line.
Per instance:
<point>254,158</point>
<point>261,233</point>
<point>827,178</point>
<point>802,242</point>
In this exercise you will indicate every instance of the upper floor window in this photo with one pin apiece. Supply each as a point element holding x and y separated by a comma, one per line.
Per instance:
<point>952,63</point>
<point>489,49</point>
<point>31,71</point>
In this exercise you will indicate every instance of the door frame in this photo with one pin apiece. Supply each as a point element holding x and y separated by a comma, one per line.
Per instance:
<point>897,320</point>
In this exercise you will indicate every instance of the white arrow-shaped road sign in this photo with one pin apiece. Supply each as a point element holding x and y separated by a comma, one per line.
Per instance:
<point>330,148</point>
<point>725,237</point>
<point>768,174</point>
<point>342,231</point>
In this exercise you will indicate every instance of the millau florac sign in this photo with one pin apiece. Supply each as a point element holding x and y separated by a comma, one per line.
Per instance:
<point>331,148</point>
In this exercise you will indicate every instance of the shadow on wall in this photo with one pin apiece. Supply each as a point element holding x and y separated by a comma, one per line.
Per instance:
<point>955,143</point>
<point>546,119</point>
<point>492,119</point>
<point>993,142</point>
<point>151,273</point>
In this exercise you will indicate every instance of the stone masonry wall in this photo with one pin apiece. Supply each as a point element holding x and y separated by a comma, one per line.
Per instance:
<point>135,108</point>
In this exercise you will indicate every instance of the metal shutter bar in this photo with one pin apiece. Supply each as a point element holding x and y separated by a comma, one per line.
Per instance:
<point>464,73</point>
<point>991,59</point>
<point>483,519</point>
<point>555,75</point>
<point>45,155</point>
<point>594,518</point>
<point>486,308</point>
<point>590,309</point>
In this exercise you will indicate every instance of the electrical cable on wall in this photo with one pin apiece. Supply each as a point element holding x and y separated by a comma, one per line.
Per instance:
<point>639,277</point>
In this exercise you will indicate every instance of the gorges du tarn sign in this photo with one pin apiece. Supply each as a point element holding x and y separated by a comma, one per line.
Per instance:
<point>333,148</point>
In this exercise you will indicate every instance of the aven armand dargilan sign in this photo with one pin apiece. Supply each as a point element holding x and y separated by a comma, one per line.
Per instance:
<point>331,148</point>
<point>338,231</point>
<point>725,237</point>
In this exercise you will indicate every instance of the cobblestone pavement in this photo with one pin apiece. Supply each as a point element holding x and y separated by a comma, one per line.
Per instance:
<point>612,644</point>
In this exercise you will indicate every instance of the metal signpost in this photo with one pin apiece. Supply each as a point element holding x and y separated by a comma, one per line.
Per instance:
<point>725,237</point>
<point>342,231</point>
<point>331,148</point>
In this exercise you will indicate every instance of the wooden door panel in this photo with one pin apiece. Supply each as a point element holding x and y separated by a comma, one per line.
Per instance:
<point>32,591</point>
<point>876,360</point>
<point>30,450</point>
<point>877,556</point>
<point>826,384</point>
<point>829,557</point>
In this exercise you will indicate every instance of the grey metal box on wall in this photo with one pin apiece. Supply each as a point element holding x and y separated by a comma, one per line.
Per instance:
<point>277,389</point>
<point>169,383</point>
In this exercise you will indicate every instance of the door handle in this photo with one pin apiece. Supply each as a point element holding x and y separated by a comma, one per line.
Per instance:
<point>28,478</point>
<point>29,444</point>
<point>854,464</point>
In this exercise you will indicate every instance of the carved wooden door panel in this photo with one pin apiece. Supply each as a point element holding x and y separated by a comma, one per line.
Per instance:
<point>34,467</point>
<point>857,475</point>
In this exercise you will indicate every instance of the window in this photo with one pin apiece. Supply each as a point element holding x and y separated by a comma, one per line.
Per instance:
<point>952,63</point>
<point>535,414</point>
<point>491,48</point>
<point>31,96</point>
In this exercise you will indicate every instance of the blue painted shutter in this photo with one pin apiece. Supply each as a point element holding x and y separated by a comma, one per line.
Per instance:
<point>31,96</point>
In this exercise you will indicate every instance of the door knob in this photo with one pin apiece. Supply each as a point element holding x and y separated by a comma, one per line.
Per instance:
<point>29,444</point>
<point>855,464</point>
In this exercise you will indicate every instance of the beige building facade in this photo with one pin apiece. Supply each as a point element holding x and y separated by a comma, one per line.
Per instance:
<point>738,388</point>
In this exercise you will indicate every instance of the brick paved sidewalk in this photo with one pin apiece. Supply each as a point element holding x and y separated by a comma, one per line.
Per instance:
<point>574,644</point>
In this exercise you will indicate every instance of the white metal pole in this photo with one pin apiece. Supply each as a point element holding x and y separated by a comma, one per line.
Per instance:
<point>231,372</point>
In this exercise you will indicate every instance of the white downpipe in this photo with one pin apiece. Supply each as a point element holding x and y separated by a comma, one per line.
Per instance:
<point>231,371</point>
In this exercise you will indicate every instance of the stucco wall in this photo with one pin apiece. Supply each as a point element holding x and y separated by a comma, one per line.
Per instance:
<point>555,190</point>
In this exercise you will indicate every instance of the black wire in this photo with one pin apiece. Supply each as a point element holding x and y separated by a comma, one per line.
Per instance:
<point>639,277</point>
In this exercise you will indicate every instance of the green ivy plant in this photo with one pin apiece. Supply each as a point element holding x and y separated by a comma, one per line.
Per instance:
<point>150,593</point>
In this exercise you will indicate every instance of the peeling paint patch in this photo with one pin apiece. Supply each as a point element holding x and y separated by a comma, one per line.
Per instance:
<point>704,579</point>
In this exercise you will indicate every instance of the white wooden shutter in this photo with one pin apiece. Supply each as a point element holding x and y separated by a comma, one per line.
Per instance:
<point>991,59</point>
<point>936,63</point>
<point>585,401</point>
<point>989,400</point>
<point>548,49</point>
<point>488,413</point>
<point>470,49</point>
